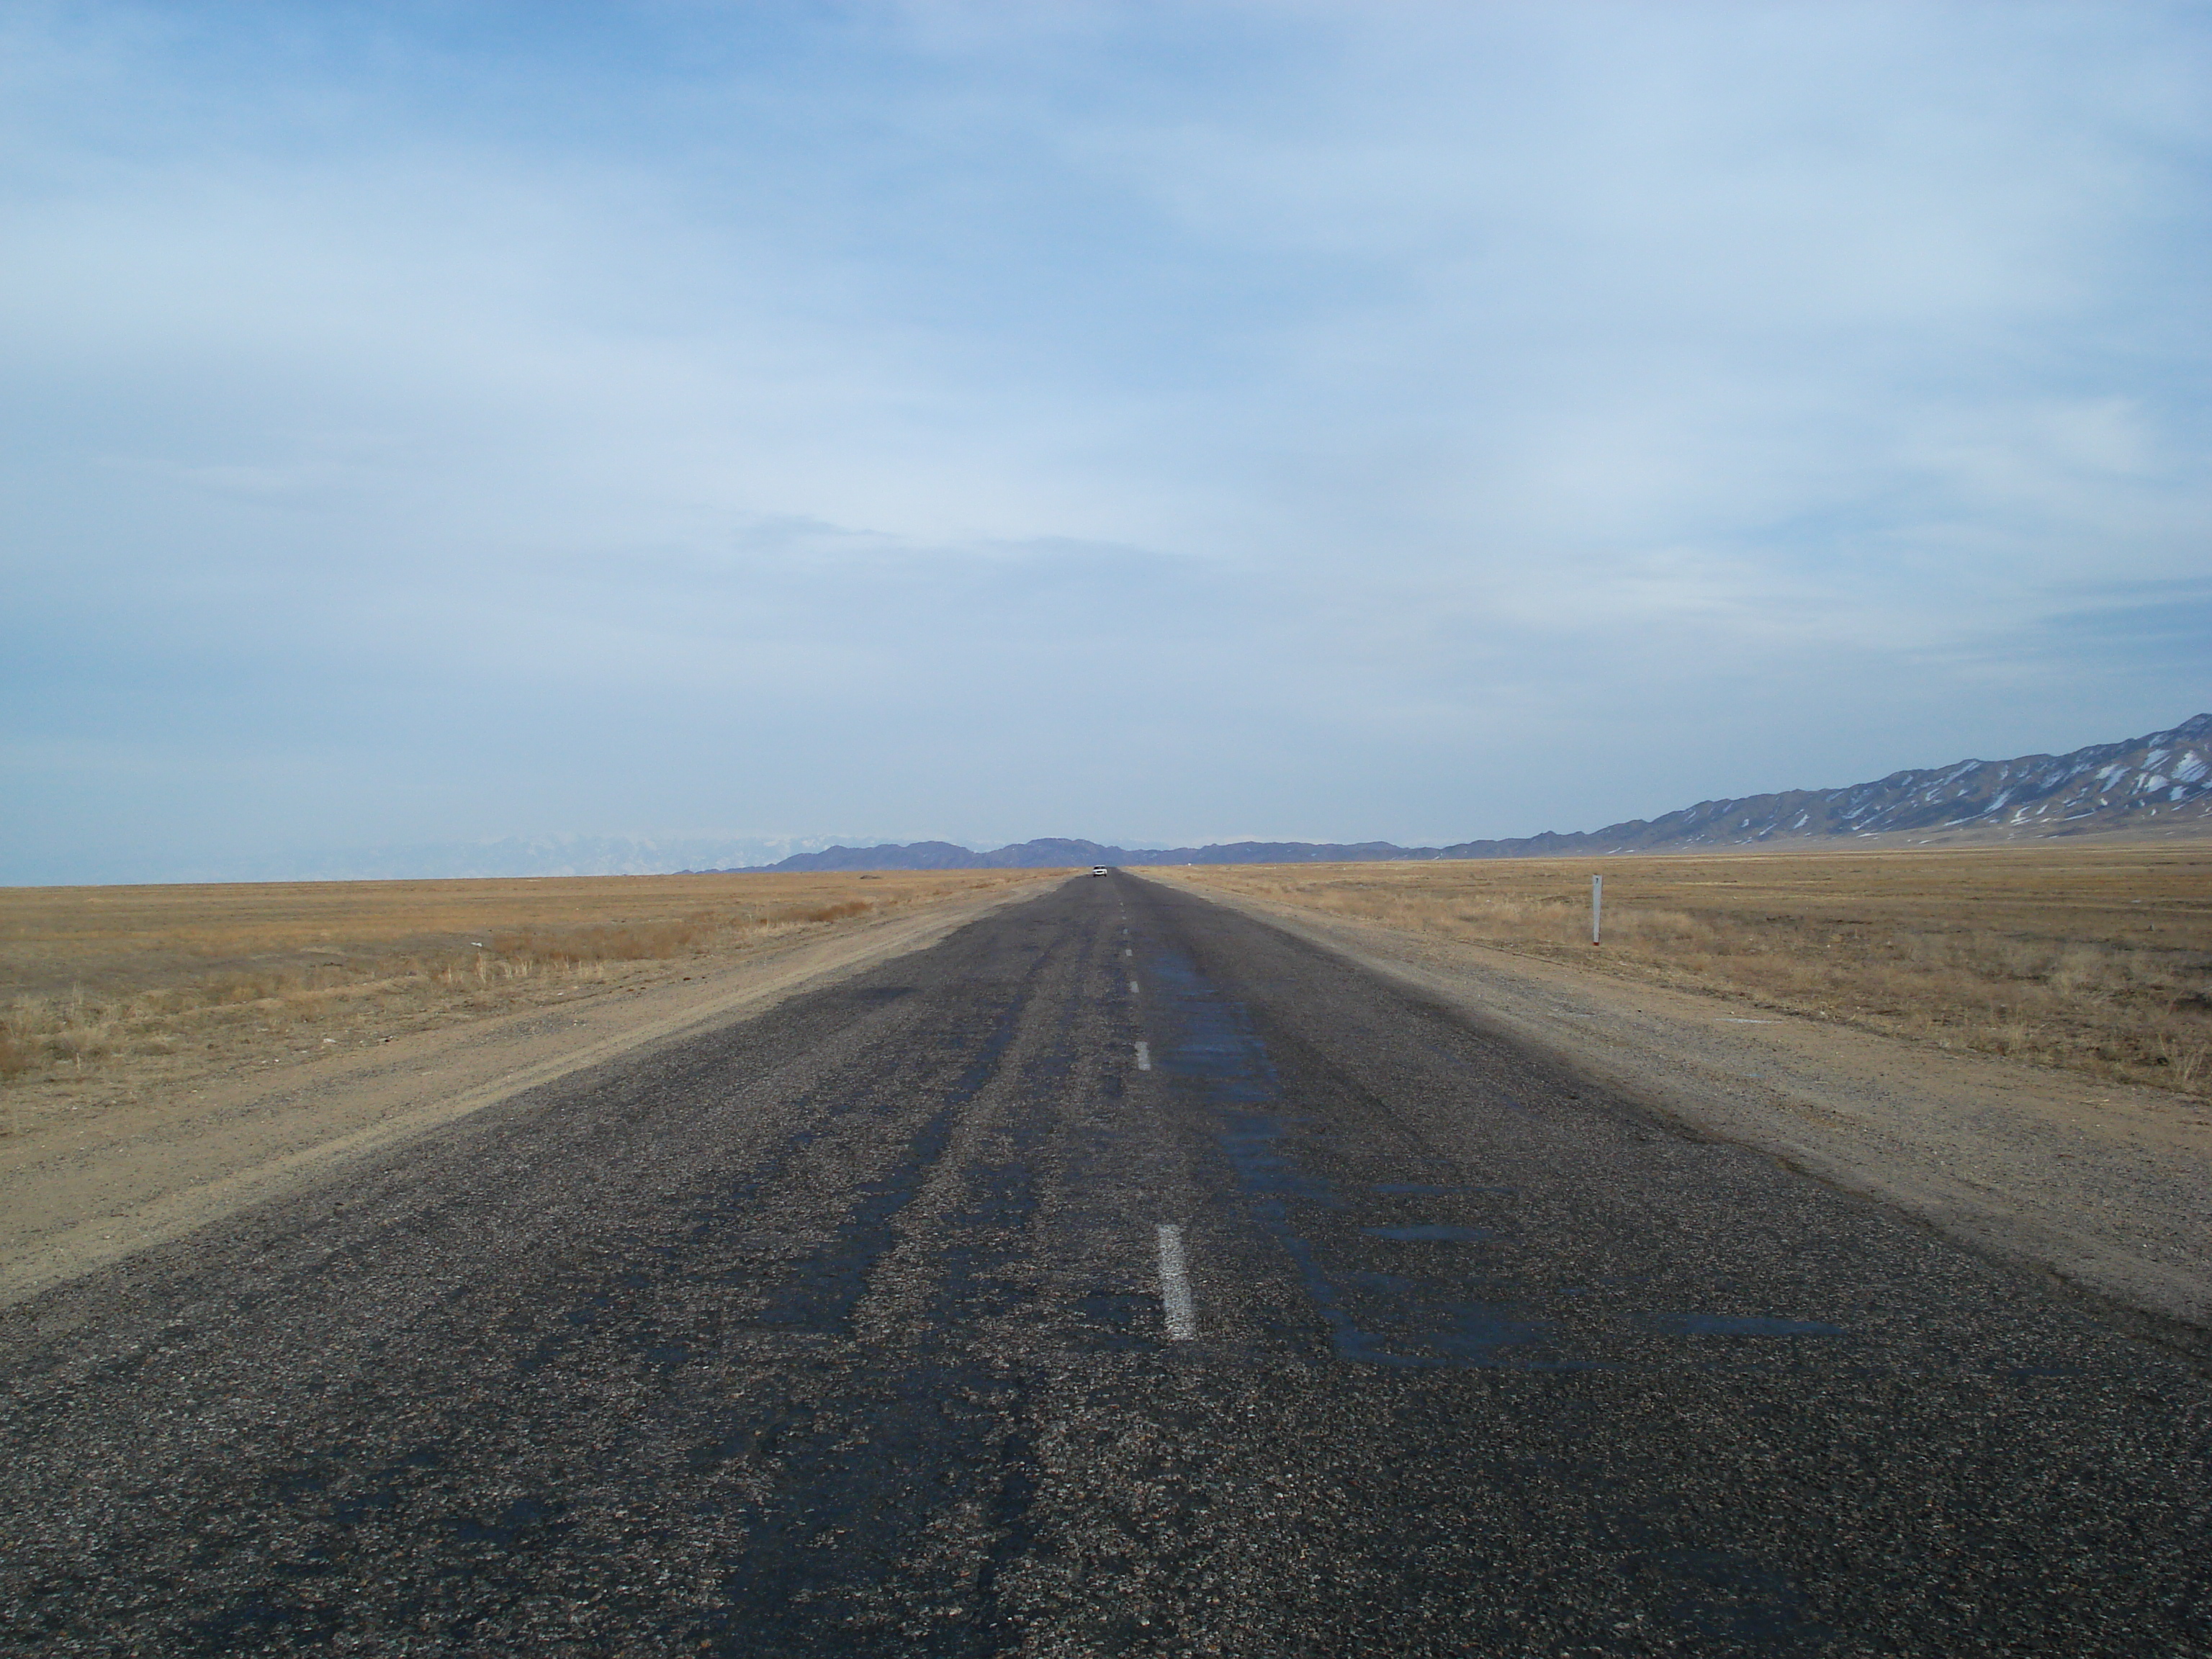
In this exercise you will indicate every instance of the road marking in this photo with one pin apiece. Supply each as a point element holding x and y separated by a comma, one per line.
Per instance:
<point>1132,991</point>
<point>1144,1056</point>
<point>1127,951</point>
<point>1176,1302</point>
<point>1750,1022</point>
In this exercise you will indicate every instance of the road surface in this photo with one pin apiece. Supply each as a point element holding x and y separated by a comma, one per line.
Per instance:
<point>1119,1276</point>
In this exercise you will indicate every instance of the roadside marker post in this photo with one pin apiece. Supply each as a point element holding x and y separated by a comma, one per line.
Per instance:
<point>1597,905</point>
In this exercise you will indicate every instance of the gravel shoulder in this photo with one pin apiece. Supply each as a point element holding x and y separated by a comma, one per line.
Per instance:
<point>2105,1188</point>
<point>75,1199</point>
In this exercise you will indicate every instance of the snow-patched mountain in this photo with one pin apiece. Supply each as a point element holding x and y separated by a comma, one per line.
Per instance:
<point>2162,781</point>
<point>2140,783</point>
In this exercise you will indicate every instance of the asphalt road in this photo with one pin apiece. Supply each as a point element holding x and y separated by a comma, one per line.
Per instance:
<point>843,1332</point>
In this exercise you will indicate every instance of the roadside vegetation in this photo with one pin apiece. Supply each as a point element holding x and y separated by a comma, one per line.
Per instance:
<point>2095,959</point>
<point>107,992</point>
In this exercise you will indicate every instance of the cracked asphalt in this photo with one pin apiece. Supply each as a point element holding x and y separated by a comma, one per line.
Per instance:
<point>841,1331</point>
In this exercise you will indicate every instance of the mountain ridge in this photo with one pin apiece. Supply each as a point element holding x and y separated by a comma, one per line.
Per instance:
<point>2161,777</point>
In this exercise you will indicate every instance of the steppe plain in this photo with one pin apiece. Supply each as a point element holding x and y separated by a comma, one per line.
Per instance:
<point>108,994</point>
<point>175,1053</point>
<point>2014,1043</point>
<point>2093,956</point>
<point>2008,1044</point>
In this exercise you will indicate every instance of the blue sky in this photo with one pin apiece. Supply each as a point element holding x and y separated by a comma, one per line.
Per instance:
<point>1153,422</point>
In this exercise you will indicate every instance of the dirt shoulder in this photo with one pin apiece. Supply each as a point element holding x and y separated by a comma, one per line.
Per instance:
<point>77,1197</point>
<point>2105,1187</point>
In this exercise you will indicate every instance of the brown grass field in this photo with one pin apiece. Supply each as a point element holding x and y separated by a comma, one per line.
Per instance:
<point>2094,958</point>
<point>107,991</point>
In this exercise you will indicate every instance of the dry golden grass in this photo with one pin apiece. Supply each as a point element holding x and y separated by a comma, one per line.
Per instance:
<point>114,989</point>
<point>2095,959</point>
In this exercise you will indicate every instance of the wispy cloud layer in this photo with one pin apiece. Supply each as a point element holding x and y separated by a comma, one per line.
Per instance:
<point>988,421</point>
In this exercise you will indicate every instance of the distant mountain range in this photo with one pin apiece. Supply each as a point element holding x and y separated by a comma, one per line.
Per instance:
<point>2164,780</point>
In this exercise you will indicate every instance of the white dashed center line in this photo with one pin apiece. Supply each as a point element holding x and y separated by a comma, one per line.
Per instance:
<point>1144,1056</point>
<point>1132,991</point>
<point>1175,1303</point>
